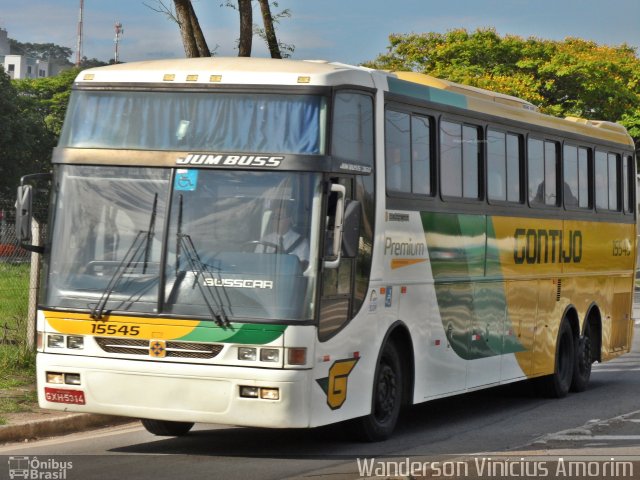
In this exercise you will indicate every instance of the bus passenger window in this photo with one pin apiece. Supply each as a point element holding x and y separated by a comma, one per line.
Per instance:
<point>607,181</point>
<point>459,160</point>
<point>420,155</point>
<point>514,160</point>
<point>584,178</point>
<point>497,165</point>
<point>570,171</point>
<point>503,163</point>
<point>602,183</point>
<point>408,153</point>
<point>542,159</point>
<point>614,183</point>
<point>628,184</point>
<point>398,151</point>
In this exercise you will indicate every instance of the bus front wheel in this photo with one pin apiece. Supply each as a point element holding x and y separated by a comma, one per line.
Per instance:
<point>557,385</point>
<point>387,399</point>
<point>165,428</point>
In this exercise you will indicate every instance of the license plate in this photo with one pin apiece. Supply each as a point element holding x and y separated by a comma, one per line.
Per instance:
<point>59,395</point>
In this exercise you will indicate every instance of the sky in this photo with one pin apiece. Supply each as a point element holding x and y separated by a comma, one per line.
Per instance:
<point>348,31</point>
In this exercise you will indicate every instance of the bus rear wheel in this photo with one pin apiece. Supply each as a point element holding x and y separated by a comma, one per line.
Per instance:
<point>582,368</point>
<point>165,428</point>
<point>557,385</point>
<point>387,399</point>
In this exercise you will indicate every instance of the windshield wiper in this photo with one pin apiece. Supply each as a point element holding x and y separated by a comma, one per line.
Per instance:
<point>199,269</point>
<point>143,238</point>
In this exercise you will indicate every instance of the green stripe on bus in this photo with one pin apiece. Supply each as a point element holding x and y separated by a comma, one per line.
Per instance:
<point>424,92</point>
<point>244,333</point>
<point>474,312</point>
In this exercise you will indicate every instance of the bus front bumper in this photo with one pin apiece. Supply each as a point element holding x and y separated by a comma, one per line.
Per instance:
<point>174,391</point>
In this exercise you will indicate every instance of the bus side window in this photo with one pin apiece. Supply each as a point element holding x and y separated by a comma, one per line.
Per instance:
<point>408,145</point>
<point>543,160</point>
<point>352,132</point>
<point>398,151</point>
<point>607,181</point>
<point>628,184</point>
<point>459,160</point>
<point>570,175</point>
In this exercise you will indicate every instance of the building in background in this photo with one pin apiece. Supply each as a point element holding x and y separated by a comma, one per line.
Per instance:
<point>20,66</point>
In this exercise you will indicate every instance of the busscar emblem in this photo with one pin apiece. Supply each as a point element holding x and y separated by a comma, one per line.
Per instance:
<point>158,348</point>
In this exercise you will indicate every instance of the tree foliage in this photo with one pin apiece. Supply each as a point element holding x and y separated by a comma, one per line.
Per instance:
<point>49,52</point>
<point>571,77</point>
<point>31,115</point>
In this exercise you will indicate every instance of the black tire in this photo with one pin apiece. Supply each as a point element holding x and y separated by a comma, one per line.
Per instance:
<point>583,362</point>
<point>557,385</point>
<point>165,428</point>
<point>387,399</point>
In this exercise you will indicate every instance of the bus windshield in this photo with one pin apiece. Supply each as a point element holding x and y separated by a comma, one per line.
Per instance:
<point>198,243</point>
<point>196,121</point>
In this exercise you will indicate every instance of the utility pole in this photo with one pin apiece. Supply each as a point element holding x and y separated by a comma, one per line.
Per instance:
<point>119,33</point>
<point>79,45</point>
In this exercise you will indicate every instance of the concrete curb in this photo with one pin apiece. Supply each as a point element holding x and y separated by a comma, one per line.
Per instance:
<point>50,427</point>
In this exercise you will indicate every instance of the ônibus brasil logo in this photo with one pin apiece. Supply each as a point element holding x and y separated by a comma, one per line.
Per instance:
<point>34,468</point>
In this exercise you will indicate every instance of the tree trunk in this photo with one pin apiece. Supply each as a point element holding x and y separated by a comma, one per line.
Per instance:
<point>269,30</point>
<point>246,28</point>
<point>193,39</point>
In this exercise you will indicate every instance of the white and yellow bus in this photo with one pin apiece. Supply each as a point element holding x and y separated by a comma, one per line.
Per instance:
<point>285,244</point>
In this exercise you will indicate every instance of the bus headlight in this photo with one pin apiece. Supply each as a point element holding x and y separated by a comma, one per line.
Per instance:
<point>249,392</point>
<point>55,341</point>
<point>264,393</point>
<point>75,343</point>
<point>247,354</point>
<point>269,355</point>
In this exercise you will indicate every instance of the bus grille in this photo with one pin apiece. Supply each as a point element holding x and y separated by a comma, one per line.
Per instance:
<point>128,346</point>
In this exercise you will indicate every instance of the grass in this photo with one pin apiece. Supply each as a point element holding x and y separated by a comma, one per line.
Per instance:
<point>17,360</point>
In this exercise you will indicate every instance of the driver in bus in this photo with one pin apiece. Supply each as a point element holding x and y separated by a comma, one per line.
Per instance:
<point>284,239</point>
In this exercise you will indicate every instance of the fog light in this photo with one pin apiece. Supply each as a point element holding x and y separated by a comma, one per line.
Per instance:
<point>55,341</point>
<point>72,378</point>
<point>246,353</point>
<point>55,377</point>
<point>270,394</point>
<point>297,356</point>
<point>269,354</point>
<point>76,343</point>
<point>249,392</point>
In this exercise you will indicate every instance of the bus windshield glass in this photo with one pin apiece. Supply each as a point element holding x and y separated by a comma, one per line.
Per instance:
<point>232,245</point>
<point>195,121</point>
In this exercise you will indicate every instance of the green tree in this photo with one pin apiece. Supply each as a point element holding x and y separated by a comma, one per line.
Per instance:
<point>47,98</point>
<point>49,52</point>
<point>22,138</point>
<point>570,77</point>
<point>31,115</point>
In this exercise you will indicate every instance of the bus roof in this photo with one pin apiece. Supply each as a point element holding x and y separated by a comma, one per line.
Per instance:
<point>265,71</point>
<point>230,70</point>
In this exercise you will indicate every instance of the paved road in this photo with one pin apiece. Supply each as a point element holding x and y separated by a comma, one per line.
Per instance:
<point>512,419</point>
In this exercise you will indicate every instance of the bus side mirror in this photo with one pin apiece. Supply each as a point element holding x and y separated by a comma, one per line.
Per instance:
<point>24,214</point>
<point>24,211</point>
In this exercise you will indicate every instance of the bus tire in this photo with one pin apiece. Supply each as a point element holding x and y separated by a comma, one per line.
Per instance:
<point>387,399</point>
<point>557,384</point>
<point>583,362</point>
<point>165,428</point>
